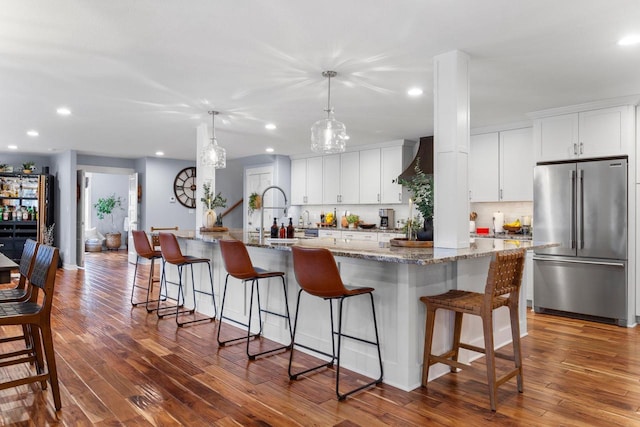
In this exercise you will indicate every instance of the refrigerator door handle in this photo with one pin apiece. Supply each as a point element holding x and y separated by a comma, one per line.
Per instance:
<point>581,209</point>
<point>577,261</point>
<point>572,211</point>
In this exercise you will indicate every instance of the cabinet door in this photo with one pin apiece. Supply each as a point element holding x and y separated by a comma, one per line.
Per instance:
<point>601,132</point>
<point>314,181</point>
<point>391,160</point>
<point>370,176</point>
<point>557,137</point>
<point>331,179</point>
<point>484,168</point>
<point>516,165</point>
<point>298,181</point>
<point>350,178</point>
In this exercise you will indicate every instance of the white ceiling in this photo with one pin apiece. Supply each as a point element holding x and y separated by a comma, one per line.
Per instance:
<point>135,73</point>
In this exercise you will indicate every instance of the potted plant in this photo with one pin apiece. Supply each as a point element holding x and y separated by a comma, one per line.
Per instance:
<point>106,207</point>
<point>28,167</point>
<point>421,188</point>
<point>210,203</point>
<point>353,219</point>
<point>3,166</point>
<point>255,202</point>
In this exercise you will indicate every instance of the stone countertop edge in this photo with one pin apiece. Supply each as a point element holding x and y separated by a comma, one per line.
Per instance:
<point>375,251</point>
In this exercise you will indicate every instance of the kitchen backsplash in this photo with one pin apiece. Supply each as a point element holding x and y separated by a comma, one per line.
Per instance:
<point>511,210</point>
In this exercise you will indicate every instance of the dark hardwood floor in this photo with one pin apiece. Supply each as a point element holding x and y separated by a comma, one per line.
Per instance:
<point>119,365</point>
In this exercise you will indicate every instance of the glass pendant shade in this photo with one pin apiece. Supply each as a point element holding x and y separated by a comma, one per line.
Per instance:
<point>328,135</point>
<point>212,153</point>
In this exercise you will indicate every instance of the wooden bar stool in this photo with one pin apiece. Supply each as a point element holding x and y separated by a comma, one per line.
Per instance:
<point>172,254</point>
<point>238,265</point>
<point>36,313</point>
<point>317,274</point>
<point>502,289</point>
<point>144,250</point>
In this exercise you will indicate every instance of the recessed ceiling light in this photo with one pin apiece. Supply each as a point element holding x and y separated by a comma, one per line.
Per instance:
<point>414,91</point>
<point>12,147</point>
<point>269,150</point>
<point>159,153</point>
<point>270,126</point>
<point>63,111</point>
<point>32,132</point>
<point>629,40</point>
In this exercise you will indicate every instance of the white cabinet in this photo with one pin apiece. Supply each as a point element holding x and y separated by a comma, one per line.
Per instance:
<point>370,176</point>
<point>501,166</point>
<point>341,178</point>
<point>516,165</point>
<point>594,133</point>
<point>386,237</point>
<point>393,162</point>
<point>483,168</point>
<point>360,235</point>
<point>329,232</point>
<point>306,181</point>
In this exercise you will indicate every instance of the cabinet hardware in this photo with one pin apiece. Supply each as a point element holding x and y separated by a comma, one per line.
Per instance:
<point>575,149</point>
<point>581,148</point>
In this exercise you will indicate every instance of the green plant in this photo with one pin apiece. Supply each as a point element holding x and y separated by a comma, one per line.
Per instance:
<point>255,202</point>
<point>211,202</point>
<point>421,188</point>
<point>352,218</point>
<point>28,165</point>
<point>106,206</point>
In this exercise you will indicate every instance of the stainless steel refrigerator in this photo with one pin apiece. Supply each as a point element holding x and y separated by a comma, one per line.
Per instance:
<point>583,206</point>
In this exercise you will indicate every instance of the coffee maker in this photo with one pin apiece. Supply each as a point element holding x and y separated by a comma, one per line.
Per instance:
<point>386,218</point>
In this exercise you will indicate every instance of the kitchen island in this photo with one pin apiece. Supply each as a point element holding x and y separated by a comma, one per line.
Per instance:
<point>400,276</point>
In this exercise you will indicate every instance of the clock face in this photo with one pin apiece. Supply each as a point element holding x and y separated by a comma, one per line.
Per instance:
<point>184,186</point>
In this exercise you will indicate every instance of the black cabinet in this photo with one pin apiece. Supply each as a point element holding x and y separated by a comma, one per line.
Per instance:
<point>30,197</point>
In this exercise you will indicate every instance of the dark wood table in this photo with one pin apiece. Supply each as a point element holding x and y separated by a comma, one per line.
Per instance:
<point>6,267</point>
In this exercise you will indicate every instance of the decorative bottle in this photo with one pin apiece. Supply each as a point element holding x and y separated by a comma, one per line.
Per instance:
<point>290,230</point>
<point>283,232</point>
<point>274,229</point>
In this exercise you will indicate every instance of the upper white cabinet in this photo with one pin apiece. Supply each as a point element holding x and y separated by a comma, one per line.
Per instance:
<point>370,176</point>
<point>501,166</point>
<point>341,178</point>
<point>516,165</point>
<point>393,162</point>
<point>483,167</point>
<point>306,181</point>
<point>594,133</point>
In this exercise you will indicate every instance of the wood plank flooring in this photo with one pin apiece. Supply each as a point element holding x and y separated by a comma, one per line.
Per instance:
<point>119,365</point>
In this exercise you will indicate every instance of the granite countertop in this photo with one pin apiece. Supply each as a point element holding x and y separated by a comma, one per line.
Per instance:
<point>383,252</point>
<point>509,236</point>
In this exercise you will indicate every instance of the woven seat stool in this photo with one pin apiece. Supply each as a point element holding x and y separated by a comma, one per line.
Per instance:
<point>502,289</point>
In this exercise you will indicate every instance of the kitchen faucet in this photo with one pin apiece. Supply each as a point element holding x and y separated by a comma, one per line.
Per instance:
<point>271,187</point>
<point>306,212</point>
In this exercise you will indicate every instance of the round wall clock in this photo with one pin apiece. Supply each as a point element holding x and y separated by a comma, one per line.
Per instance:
<point>184,187</point>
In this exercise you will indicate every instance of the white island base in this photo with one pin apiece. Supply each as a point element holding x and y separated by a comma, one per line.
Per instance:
<point>400,314</point>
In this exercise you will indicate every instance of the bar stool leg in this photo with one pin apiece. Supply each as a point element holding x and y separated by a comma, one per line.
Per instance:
<point>457,333</point>
<point>428,338</point>
<point>515,337</point>
<point>487,329</point>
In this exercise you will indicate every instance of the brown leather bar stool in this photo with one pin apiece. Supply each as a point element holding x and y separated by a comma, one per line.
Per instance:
<point>173,255</point>
<point>502,289</point>
<point>317,274</point>
<point>36,315</point>
<point>144,250</point>
<point>21,291</point>
<point>238,265</point>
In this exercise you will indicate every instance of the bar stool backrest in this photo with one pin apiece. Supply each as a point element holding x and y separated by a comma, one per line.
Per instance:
<point>171,249</point>
<point>316,272</point>
<point>505,273</point>
<point>43,275</point>
<point>236,259</point>
<point>27,261</point>
<point>141,243</point>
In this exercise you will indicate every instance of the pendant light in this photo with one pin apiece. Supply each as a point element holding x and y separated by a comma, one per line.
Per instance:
<point>213,154</point>
<point>328,135</point>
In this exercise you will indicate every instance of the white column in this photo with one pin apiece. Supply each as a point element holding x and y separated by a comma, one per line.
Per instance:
<point>203,136</point>
<point>451,150</point>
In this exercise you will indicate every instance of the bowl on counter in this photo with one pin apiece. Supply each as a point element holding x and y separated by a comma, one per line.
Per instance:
<point>366,226</point>
<point>512,229</point>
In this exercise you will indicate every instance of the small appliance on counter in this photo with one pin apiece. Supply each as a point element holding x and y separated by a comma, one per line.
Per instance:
<point>386,218</point>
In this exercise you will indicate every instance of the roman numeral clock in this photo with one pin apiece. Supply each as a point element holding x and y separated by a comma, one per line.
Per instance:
<point>184,187</point>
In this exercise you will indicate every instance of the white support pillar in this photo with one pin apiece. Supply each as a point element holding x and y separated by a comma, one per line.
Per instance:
<point>451,150</point>
<point>204,173</point>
